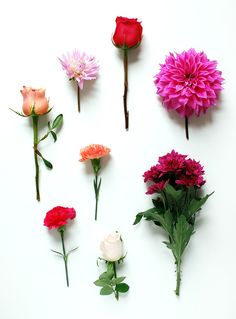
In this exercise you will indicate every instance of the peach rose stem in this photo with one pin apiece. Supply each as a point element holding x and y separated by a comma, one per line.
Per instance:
<point>78,98</point>
<point>186,127</point>
<point>65,255</point>
<point>96,183</point>
<point>35,128</point>
<point>126,112</point>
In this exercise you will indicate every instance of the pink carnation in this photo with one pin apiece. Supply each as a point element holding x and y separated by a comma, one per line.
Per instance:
<point>188,83</point>
<point>58,216</point>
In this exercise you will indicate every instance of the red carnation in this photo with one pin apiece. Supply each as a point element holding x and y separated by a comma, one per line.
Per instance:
<point>58,216</point>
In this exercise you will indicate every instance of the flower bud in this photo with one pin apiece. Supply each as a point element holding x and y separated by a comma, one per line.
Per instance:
<point>34,101</point>
<point>112,247</point>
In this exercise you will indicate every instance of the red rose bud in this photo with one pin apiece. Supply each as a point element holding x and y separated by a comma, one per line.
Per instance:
<point>128,33</point>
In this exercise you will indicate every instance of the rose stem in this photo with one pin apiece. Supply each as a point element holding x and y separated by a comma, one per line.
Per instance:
<point>78,98</point>
<point>186,127</point>
<point>178,273</point>
<point>65,256</point>
<point>35,127</point>
<point>115,276</point>
<point>126,112</point>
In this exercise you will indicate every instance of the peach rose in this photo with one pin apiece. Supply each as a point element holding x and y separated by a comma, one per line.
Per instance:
<point>34,100</point>
<point>93,151</point>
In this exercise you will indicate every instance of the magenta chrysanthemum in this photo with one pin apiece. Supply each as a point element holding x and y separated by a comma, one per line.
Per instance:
<point>79,66</point>
<point>175,169</point>
<point>188,83</point>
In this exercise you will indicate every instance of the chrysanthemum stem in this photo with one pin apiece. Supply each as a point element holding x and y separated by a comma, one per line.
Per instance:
<point>186,127</point>
<point>115,276</point>
<point>78,98</point>
<point>65,256</point>
<point>126,112</point>
<point>178,276</point>
<point>35,128</point>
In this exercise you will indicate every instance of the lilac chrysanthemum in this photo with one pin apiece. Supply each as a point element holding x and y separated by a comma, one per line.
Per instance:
<point>188,83</point>
<point>79,67</point>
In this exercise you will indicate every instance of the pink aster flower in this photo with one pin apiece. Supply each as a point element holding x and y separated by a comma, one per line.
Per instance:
<point>188,83</point>
<point>79,67</point>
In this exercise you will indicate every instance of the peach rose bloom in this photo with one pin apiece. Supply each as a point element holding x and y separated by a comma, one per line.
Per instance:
<point>34,100</point>
<point>93,151</point>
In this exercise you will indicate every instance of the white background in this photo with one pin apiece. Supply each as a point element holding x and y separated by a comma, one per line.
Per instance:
<point>32,279</point>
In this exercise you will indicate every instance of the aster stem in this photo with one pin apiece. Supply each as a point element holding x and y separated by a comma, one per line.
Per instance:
<point>35,128</point>
<point>126,112</point>
<point>65,255</point>
<point>78,98</point>
<point>178,278</point>
<point>186,127</point>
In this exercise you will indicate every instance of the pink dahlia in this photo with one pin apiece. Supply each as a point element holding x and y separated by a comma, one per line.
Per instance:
<point>79,67</point>
<point>189,83</point>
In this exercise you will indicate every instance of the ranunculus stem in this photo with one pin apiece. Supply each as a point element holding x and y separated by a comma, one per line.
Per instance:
<point>78,98</point>
<point>115,276</point>
<point>126,112</point>
<point>35,128</point>
<point>186,127</point>
<point>65,255</point>
<point>178,276</point>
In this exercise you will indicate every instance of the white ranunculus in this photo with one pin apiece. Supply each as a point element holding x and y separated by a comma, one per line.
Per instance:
<point>112,247</point>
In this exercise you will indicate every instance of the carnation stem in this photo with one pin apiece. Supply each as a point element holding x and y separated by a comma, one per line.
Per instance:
<point>186,127</point>
<point>35,128</point>
<point>78,98</point>
<point>126,112</point>
<point>178,274</point>
<point>65,255</point>
<point>96,189</point>
<point>115,276</point>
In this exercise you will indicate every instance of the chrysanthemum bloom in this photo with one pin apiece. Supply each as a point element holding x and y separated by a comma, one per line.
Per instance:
<point>188,83</point>
<point>94,153</point>
<point>58,218</point>
<point>79,67</point>
<point>176,181</point>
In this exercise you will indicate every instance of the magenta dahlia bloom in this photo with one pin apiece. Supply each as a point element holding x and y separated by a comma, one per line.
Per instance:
<point>189,83</point>
<point>175,169</point>
<point>79,67</point>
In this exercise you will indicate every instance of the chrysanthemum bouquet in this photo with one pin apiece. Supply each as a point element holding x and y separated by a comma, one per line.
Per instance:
<point>177,182</point>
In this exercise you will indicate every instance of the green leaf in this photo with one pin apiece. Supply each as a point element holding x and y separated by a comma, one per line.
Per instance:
<point>57,252</point>
<point>19,113</point>
<point>106,291</point>
<point>139,216</point>
<point>116,281</point>
<point>47,163</point>
<point>58,121</point>
<point>101,283</point>
<point>122,287</point>
<point>172,192</point>
<point>196,204</point>
<point>54,135</point>
<point>181,236</point>
<point>49,126</point>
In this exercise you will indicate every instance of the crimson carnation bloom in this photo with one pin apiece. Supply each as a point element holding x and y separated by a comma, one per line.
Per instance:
<point>176,181</point>
<point>188,83</point>
<point>58,216</point>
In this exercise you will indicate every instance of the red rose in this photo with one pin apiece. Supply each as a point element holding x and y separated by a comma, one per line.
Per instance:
<point>58,216</point>
<point>128,33</point>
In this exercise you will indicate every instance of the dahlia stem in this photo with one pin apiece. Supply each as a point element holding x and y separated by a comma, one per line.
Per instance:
<point>78,98</point>
<point>186,127</point>
<point>35,128</point>
<point>115,276</point>
<point>126,112</point>
<point>178,278</point>
<point>65,255</point>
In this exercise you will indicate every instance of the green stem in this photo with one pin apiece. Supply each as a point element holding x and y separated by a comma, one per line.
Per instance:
<point>65,256</point>
<point>126,112</point>
<point>35,128</point>
<point>178,278</point>
<point>78,98</point>
<point>96,196</point>
<point>186,128</point>
<point>115,276</point>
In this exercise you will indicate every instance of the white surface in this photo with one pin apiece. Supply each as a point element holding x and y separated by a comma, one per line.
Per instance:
<point>33,35</point>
